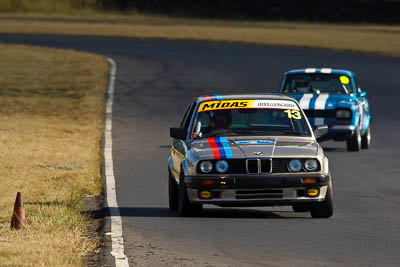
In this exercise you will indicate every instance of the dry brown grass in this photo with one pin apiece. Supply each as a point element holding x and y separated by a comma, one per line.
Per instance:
<point>51,113</point>
<point>361,38</point>
<point>65,6</point>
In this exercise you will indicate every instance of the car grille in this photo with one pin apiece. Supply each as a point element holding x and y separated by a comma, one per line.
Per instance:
<point>252,166</point>
<point>255,166</point>
<point>259,194</point>
<point>320,113</point>
<point>237,166</point>
<point>280,165</point>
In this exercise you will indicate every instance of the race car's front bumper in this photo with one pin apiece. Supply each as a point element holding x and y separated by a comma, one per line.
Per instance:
<point>339,133</point>
<point>255,190</point>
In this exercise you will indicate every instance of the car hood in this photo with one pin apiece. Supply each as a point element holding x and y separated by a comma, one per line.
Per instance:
<point>321,101</point>
<point>254,147</point>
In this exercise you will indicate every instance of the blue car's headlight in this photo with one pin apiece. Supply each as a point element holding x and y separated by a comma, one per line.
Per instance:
<point>343,114</point>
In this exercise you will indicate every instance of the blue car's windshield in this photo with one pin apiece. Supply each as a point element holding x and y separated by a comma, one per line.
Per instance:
<point>316,83</point>
<point>249,117</point>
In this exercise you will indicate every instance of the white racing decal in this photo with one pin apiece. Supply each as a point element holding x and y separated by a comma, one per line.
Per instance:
<point>280,104</point>
<point>310,70</point>
<point>117,240</point>
<point>326,70</point>
<point>305,101</point>
<point>254,142</point>
<point>320,103</point>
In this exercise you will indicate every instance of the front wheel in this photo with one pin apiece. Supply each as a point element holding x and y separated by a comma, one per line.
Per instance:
<point>354,142</point>
<point>185,208</point>
<point>366,139</point>
<point>173,192</point>
<point>323,209</point>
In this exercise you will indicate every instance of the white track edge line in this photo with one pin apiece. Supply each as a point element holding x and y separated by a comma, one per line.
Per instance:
<point>117,240</point>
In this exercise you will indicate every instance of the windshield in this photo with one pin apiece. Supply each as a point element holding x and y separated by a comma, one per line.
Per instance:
<point>317,84</point>
<point>249,117</point>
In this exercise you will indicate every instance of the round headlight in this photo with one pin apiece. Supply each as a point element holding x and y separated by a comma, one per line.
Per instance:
<point>221,166</point>
<point>206,166</point>
<point>311,165</point>
<point>294,165</point>
<point>343,114</point>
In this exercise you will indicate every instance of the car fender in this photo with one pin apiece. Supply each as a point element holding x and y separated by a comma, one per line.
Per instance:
<point>171,164</point>
<point>356,121</point>
<point>366,124</point>
<point>326,165</point>
<point>175,173</point>
<point>354,107</point>
<point>185,166</point>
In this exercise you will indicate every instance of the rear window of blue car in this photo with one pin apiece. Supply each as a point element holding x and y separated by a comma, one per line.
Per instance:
<point>316,83</point>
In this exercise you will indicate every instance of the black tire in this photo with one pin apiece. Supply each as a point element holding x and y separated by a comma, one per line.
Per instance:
<point>366,139</point>
<point>354,142</point>
<point>323,209</point>
<point>185,208</point>
<point>300,208</point>
<point>173,192</point>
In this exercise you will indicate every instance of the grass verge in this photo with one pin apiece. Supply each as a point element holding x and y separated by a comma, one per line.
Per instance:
<point>361,38</point>
<point>51,113</point>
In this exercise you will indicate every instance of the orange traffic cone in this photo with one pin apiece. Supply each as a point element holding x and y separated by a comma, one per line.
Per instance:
<point>18,217</point>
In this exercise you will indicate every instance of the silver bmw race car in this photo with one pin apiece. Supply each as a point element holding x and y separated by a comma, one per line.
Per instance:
<point>248,150</point>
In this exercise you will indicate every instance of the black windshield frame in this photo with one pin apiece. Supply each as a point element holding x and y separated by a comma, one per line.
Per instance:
<point>314,78</point>
<point>272,131</point>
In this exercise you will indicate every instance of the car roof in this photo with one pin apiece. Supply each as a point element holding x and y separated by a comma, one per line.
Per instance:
<point>244,96</point>
<point>321,70</point>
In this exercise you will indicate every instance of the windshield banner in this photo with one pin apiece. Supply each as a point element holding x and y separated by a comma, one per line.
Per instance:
<point>240,104</point>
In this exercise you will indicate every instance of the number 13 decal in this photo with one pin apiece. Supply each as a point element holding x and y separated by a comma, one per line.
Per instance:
<point>293,114</point>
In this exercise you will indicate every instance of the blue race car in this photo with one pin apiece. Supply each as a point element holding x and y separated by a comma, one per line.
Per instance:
<point>334,98</point>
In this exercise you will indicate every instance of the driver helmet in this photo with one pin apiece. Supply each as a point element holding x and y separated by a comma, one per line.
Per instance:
<point>220,118</point>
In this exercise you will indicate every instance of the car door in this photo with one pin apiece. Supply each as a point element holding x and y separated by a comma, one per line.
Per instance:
<point>363,107</point>
<point>179,147</point>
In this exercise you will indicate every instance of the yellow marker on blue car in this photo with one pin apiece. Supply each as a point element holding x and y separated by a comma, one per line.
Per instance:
<point>344,80</point>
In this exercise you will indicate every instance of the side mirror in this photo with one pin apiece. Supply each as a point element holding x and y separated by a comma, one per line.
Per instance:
<point>198,129</point>
<point>178,133</point>
<point>362,94</point>
<point>320,131</point>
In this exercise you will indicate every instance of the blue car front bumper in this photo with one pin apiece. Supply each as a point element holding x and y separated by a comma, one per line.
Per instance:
<point>339,133</point>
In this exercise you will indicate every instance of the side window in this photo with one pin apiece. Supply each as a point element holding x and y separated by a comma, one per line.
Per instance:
<point>188,109</point>
<point>204,119</point>
<point>357,85</point>
<point>186,120</point>
<point>281,85</point>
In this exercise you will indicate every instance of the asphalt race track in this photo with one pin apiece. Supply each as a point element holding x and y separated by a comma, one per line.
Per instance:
<point>155,81</point>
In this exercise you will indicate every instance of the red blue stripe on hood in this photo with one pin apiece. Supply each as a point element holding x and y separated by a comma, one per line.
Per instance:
<point>220,147</point>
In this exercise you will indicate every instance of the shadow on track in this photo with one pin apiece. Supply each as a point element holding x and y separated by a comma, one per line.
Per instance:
<point>206,213</point>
